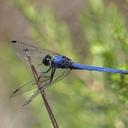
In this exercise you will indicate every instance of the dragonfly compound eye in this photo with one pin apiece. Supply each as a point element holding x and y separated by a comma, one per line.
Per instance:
<point>47,60</point>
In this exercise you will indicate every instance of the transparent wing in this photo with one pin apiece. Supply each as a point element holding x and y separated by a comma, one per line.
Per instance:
<point>36,54</point>
<point>31,85</point>
<point>23,88</point>
<point>59,75</point>
<point>45,78</point>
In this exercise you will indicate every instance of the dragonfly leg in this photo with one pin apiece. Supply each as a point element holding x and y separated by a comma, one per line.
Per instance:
<point>48,79</point>
<point>41,76</point>
<point>52,74</point>
<point>44,80</point>
<point>47,70</point>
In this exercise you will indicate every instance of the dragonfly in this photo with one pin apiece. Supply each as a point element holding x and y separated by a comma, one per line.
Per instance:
<point>51,67</point>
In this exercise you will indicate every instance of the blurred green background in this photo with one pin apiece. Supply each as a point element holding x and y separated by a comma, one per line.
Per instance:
<point>92,32</point>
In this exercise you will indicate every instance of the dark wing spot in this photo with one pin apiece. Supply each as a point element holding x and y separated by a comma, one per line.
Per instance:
<point>25,50</point>
<point>14,92</point>
<point>14,41</point>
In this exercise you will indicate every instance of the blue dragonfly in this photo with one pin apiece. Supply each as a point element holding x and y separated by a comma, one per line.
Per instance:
<point>51,67</point>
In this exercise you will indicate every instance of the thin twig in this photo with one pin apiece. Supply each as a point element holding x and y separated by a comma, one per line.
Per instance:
<point>43,94</point>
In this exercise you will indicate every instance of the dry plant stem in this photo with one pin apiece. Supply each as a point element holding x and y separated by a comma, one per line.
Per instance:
<point>51,115</point>
<point>46,101</point>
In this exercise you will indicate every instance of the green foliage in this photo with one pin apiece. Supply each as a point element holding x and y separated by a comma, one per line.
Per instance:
<point>101,101</point>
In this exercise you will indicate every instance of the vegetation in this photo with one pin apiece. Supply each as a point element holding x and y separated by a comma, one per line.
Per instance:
<point>84,99</point>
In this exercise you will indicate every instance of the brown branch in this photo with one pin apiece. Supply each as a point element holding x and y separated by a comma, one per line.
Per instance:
<point>43,94</point>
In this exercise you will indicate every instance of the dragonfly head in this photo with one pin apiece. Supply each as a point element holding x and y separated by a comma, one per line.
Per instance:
<point>47,60</point>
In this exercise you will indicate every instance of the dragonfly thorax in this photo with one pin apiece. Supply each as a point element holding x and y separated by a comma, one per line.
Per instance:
<point>47,60</point>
